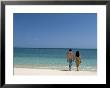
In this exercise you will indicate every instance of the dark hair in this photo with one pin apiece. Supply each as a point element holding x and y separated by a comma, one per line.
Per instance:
<point>70,49</point>
<point>77,53</point>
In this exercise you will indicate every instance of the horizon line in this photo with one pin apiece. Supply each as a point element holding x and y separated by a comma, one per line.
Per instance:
<point>53,47</point>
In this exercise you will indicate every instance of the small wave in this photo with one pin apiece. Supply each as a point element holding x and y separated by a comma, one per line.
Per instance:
<point>66,68</point>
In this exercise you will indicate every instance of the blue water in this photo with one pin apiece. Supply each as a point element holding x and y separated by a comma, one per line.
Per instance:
<point>53,58</point>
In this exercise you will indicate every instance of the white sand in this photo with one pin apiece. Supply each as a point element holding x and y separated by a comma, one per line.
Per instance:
<point>29,71</point>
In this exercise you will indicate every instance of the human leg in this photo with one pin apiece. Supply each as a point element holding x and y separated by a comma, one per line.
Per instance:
<point>70,64</point>
<point>77,67</point>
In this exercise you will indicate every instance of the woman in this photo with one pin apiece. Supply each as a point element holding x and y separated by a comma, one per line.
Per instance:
<point>78,60</point>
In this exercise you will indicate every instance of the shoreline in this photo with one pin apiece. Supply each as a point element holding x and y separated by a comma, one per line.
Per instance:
<point>48,72</point>
<point>56,67</point>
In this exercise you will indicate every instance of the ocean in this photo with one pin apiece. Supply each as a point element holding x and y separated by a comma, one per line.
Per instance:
<point>53,58</point>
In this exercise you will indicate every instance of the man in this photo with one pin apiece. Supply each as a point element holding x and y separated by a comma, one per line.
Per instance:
<point>70,58</point>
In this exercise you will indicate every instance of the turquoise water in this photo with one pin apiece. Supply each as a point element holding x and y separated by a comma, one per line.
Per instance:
<point>53,58</point>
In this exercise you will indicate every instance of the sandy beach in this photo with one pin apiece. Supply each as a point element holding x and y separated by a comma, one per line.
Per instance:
<point>30,71</point>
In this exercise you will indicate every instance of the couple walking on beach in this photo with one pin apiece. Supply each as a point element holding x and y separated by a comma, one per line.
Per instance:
<point>71,57</point>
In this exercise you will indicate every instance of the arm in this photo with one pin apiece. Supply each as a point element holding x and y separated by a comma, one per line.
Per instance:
<point>73,56</point>
<point>67,56</point>
<point>80,58</point>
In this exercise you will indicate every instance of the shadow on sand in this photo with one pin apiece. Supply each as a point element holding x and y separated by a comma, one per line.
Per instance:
<point>64,70</point>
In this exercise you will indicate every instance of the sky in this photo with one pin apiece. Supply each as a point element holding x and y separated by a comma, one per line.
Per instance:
<point>55,30</point>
